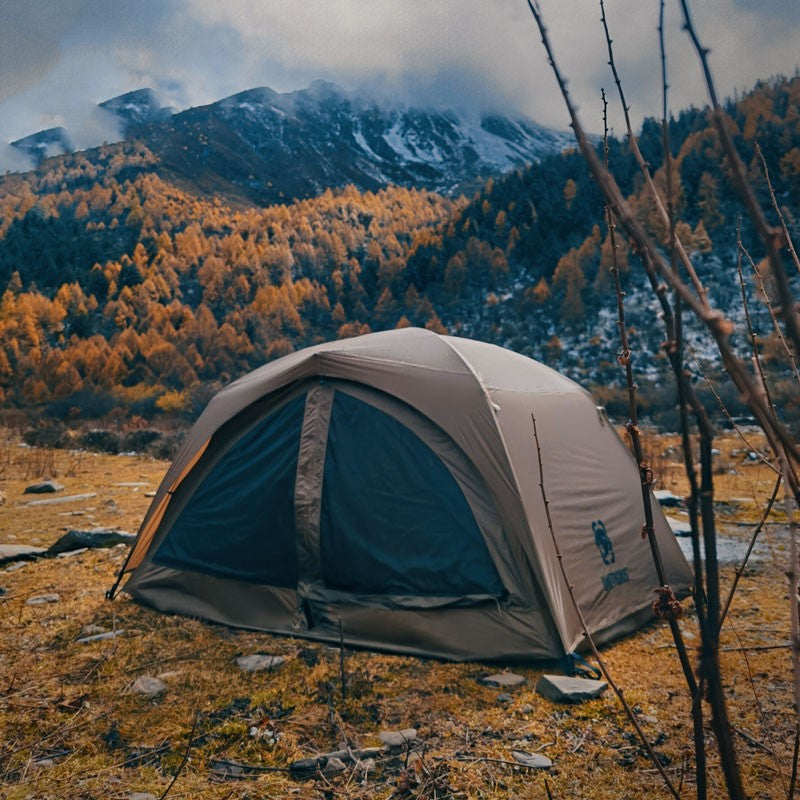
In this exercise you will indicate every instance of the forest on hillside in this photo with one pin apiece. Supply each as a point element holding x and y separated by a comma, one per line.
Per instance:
<point>121,290</point>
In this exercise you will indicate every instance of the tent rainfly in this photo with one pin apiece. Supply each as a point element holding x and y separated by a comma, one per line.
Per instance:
<point>390,484</point>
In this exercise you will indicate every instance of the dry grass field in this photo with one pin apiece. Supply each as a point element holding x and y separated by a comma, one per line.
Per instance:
<point>71,726</point>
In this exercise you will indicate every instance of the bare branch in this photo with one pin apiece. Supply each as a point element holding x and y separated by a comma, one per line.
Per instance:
<point>644,167</point>
<point>787,235</point>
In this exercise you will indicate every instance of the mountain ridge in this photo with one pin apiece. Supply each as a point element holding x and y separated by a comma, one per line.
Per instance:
<point>260,146</point>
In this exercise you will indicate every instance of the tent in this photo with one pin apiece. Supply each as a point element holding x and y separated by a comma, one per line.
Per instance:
<point>385,488</point>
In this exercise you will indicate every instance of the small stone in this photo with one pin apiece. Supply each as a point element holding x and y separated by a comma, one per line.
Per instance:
<point>45,487</point>
<point>19,552</point>
<point>71,553</point>
<point>141,796</point>
<point>148,686</point>
<point>99,637</point>
<point>75,539</point>
<point>333,766</point>
<point>507,680</point>
<point>504,697</point>
<point>678,526</point>
<point>41,599</point>
<point>69,498</point>
<point>648,719</point>
<point>667,499</point>
<point>90,630</point>
<point>398,738</point>
<point>569,690</point>
<point>304,767</point>
<point>533,760</point>
<point>258,662</point>
<point>527,709</point>
<point>149,494</point>
<point>44,762</point>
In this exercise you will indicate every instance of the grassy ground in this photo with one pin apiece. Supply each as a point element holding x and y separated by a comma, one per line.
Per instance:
<point>70,727</point>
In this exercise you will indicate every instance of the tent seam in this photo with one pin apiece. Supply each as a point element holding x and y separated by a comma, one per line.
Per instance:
<point>484,390</point>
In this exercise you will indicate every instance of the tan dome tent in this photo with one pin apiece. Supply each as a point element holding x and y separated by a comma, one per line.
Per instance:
<point>390,483</point>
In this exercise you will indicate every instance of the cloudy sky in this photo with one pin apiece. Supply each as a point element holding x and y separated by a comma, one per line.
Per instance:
<point>58,58</point>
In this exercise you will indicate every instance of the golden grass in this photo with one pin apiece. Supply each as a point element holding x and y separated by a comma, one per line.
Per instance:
<point>70,728</point>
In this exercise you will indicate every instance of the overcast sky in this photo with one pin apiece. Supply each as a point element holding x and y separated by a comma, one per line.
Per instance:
<point>58,58</point>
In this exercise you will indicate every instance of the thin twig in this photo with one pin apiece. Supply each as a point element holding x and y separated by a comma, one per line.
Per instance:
<point>740,569</point>
<point>644,168</point>
<point>795,754</point>
<point>185,759</point>
<point>760,711</point>
<point>789,243</point>
<point>773,316</point>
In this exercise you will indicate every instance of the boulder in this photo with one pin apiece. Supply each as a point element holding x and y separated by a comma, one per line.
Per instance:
<point>562,689</point>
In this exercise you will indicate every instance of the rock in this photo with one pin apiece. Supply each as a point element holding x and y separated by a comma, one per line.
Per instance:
<point>304,767</point>
<point>99,637</point>
<point>667,499</point>
<point>648,719</point>
<point>506,680</point>
<point>148,686</point>
<point>19,552</point>
<point>90,630</point>
<point>504,697</point>
<point>333,766</point>
<point>398,738</point>
<point>76,539</point>
<point>68,498</point>
<point>41,599</point>
<point>533,760</point>
<point>140,796</point>
<point>259,661</point>
<point>149,494</point>
<point>678,526</point>
<point>71,553</point>
<point>44,762</point>
<point>45,487</point>
<point>569,690</point>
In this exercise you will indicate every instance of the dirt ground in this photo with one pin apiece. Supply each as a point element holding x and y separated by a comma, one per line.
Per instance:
<point>71,726</point>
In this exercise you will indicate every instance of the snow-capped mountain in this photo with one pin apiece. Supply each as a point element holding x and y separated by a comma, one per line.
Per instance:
<point>44,144</point>
<point>138,107</point>
<point>270,146</point>
<point>265,147</point>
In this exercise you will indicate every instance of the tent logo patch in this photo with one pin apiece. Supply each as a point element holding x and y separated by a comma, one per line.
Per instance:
<point>606,548</point>
<point>603,542</point>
